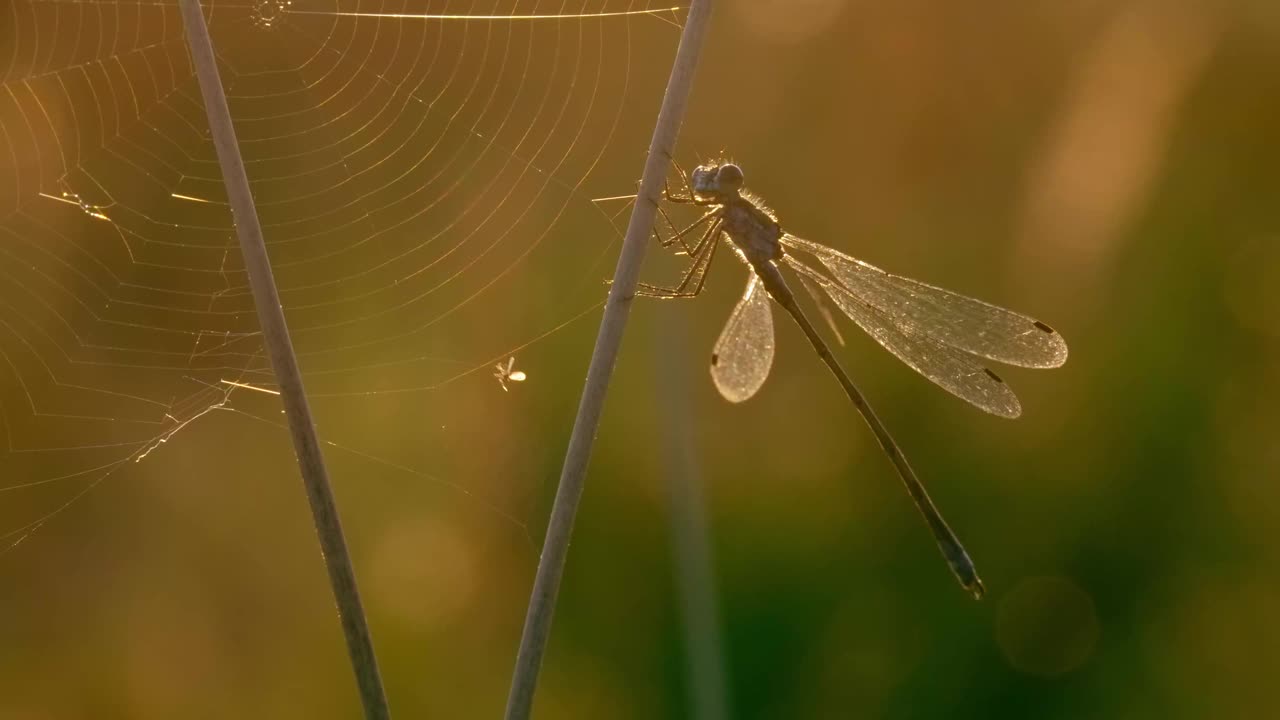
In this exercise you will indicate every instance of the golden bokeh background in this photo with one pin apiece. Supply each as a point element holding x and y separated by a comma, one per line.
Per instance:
<point>428,187</point>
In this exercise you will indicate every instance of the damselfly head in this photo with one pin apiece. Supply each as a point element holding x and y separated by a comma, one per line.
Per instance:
<point>716,179</point>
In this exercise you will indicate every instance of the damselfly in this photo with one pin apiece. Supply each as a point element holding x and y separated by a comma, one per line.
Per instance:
<point>940,334</point>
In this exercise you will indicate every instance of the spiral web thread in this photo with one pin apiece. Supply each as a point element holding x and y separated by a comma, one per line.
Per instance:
<point>417,166</point>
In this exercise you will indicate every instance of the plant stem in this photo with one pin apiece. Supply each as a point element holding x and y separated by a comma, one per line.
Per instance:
<point>690,541</point>
<point>555,548</point>
<point>275,335</point>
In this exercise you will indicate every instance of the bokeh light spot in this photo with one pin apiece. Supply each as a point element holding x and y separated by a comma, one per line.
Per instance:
<point>422,575</point>
<point>1047,626</point>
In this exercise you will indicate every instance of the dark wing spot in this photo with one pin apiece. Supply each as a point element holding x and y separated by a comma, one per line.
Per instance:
<point>1044,327</point>
<point>715,359</point>
<point>992,375</point>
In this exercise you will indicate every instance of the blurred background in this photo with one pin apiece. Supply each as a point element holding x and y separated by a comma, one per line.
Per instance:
<point>431,193</point>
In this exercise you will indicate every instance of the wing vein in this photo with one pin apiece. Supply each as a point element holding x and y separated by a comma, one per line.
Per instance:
<point>964,323</point>
<point>951,368</point>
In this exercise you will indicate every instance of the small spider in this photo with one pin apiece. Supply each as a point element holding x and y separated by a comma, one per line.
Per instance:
<point>502,371</point>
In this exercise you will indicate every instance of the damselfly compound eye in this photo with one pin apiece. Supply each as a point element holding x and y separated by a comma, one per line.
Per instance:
<point>703,179</point>
<point>729,177</point>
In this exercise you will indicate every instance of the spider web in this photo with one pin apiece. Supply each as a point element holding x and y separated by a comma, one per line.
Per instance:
<point>418,168</point>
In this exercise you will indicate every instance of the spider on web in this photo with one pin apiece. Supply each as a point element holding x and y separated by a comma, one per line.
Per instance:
<point>503,373</point>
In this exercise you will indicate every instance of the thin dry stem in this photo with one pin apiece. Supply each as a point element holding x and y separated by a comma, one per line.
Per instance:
<point>285,364</point>
<point>546,584</point>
